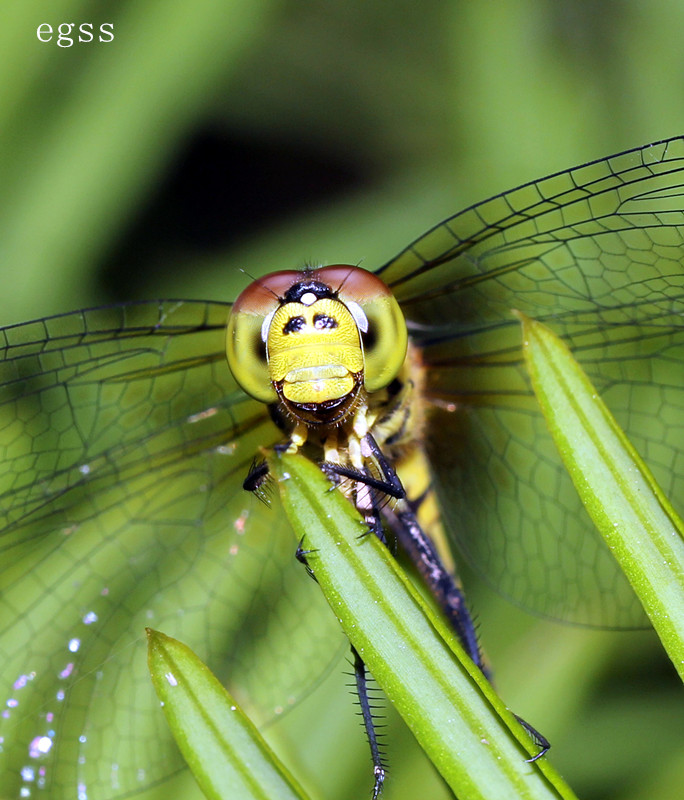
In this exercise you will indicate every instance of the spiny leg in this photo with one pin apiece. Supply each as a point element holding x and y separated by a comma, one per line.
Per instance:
<point>539,739</point>
<point>382,486</point>
<point>362,694</point>
<point>256,477</point>
<point>369,723</point>
<point>420,548</point>
<point>367,488</point>
<point>422,552</point>
<point>366,502</point>
<point>366,492</point>
<point>301,556</point>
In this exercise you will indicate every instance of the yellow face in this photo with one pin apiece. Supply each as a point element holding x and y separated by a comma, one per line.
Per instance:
<point>313,339</point>
<point>314,351</point>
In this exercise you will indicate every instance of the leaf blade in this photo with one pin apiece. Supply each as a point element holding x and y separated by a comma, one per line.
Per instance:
<point>225,752</point>
<point>638,523</point>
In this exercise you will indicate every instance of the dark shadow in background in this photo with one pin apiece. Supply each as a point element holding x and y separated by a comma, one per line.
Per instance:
<point>223,188</point>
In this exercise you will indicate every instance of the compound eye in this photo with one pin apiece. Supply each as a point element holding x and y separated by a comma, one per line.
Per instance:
<point>385,339</point>
<point>245,344</point>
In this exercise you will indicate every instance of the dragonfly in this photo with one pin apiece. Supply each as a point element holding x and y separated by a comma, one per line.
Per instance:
<point>125,442</point>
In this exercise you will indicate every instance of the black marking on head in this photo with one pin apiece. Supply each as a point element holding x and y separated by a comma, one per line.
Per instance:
<point>293,325</point>
<point>294,293</point>
<point>323,321</point>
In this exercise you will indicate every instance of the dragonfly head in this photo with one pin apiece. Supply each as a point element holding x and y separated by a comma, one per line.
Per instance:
<point>313,339</point>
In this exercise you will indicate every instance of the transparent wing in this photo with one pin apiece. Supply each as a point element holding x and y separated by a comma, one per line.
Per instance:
<point>597,253</point>
<point>124,442</point>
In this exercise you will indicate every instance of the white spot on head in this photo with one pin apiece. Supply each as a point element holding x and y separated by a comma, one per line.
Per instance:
<point>308,299</point>
<point>171,678</point>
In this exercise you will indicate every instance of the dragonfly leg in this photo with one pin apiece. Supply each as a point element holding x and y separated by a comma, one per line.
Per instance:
<point>367,490</point>
<point>366,500</point>
<point>362,690</point>
<point>369,723</point>
<point>403,522</point>
<point>382,486</point>
<point>256,477</point>
<point>422,551</point>
<point>301,556</point>
<point>539,739</point>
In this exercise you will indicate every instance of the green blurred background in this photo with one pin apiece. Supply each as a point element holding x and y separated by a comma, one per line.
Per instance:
<point>214,137</point>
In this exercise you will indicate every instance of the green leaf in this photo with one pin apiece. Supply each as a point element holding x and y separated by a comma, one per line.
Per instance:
<point>475,743</point>
<point>639,525</point>
<point>225,752</point>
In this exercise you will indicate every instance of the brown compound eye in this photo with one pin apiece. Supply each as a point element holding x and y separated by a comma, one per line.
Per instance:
<point>245,344</point>
<point>385,337</point>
